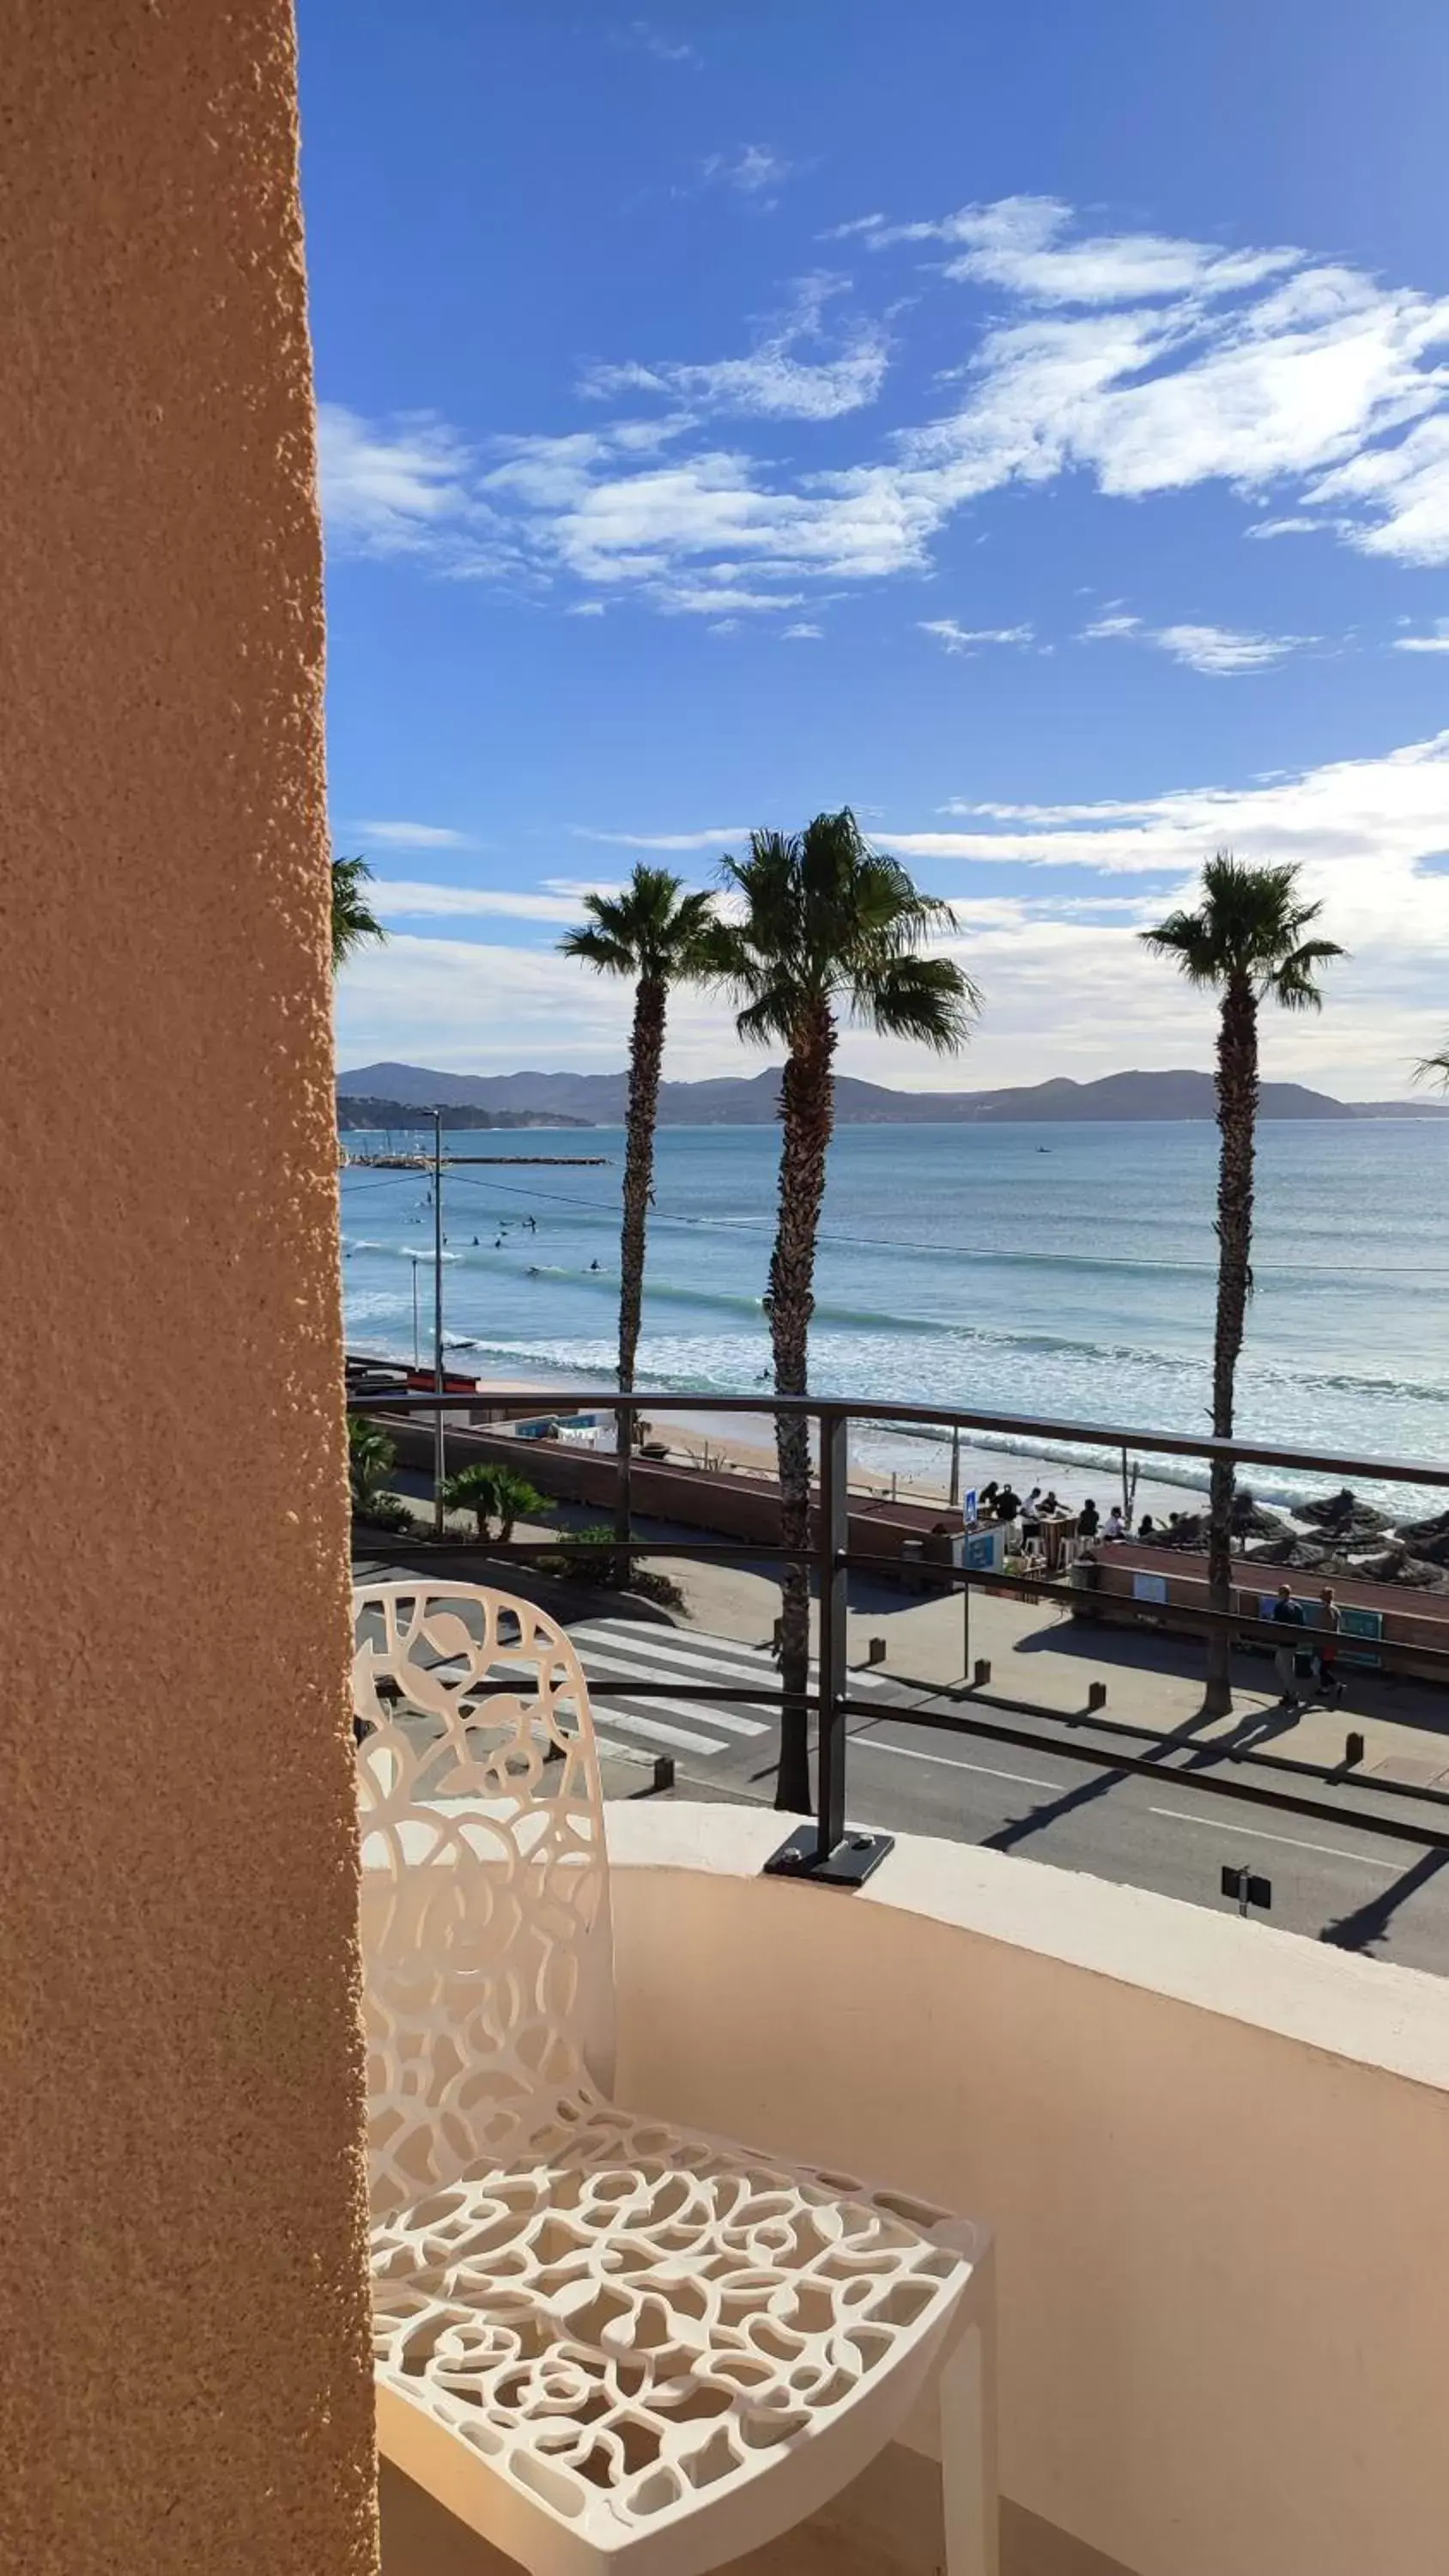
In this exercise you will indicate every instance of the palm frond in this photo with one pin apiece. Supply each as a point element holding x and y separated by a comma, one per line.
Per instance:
<point>651,929</point>
<point>1248,928</point>
<point>930,1000</point>
<point>354,922</point>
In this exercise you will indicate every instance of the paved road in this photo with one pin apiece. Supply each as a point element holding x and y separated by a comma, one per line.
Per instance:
<point>1335,1882</point>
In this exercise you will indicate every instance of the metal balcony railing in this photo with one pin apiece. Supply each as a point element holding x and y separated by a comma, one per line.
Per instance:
<point>826,1849</point>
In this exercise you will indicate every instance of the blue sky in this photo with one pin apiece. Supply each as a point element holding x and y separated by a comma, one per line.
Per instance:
<point>1027,424</point>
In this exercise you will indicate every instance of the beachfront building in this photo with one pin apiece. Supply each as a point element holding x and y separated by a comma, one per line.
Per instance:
<point>1213,2157</point>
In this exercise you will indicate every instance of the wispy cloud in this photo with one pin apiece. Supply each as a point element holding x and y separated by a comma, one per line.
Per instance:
<point>640,37</point>
<point>802,633</point>
<point>415,836</point>
<point>1437,641</point>
<point>585,608</point>
<point>969,639</point>
<point>774,381</point>
<point>716,838</point>
<point>1220,651</point>
<point>754,170</point>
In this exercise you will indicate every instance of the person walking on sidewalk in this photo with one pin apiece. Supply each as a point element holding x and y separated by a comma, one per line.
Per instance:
<point>1287,1613</point>
<point>1329,1620</point>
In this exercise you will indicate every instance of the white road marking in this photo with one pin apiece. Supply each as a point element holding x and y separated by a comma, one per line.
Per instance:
<point>624,1641</point>
<point>952,1762</point>
<point>700,1652</point>
<point>681,1739</point>
<point>612,1682</point>
<point>1291,1842</point>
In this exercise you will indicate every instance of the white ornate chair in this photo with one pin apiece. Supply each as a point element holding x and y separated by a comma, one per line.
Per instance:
<point>605,2343</point>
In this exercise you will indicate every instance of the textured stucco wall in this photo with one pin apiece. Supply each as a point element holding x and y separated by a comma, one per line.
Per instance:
<point>181,2289</point>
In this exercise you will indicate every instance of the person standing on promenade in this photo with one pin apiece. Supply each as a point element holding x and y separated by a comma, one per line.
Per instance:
<point>1287,1613</point>
<point>1329,1620</point>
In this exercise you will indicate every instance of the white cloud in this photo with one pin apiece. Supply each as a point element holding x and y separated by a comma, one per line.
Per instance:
<point>1219,650</point>
<point>1360,828</point>
<point>752,170</point>
<point>1297,527</point>
<point>801,633</point>
<point>415,836</point>
<point>773,382</point>
<point>390,490</point>
<point>715,839</point>
<point>403,898</point>
<point>585,608</point>
<point>1018,243</point>
<point>1437,642</point>
<point>969,639</point>
<point>1146,364</point>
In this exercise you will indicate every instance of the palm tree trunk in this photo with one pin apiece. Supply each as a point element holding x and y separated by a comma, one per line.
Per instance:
<point>646,1061</point>
<point>807,1114</point>
<point>1237,1090</point>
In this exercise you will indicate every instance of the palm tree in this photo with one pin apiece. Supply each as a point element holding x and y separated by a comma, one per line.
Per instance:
<point>371,1458</point>
<point>493,1492</point>
<point>653,932</point>
<point>1245,942</point>
<point>353,919</point>
<point>1434,1068</point>
<point>825,923</point>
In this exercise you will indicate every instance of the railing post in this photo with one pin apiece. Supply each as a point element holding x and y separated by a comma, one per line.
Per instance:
<point>832,1584</point>
<point>827,1850</point>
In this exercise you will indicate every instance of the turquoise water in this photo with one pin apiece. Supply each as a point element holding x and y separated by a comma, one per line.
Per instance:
<point>1045,1270</point>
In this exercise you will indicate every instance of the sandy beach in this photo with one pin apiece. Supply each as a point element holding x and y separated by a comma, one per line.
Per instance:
<point>897,1463</point>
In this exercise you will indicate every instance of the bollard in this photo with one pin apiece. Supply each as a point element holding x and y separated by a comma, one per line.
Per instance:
<point>1096,1695</point>
<point>875,1651</point>
<point>980,1673</point>
<point>1352,1750</point>
<point>663,1779</point>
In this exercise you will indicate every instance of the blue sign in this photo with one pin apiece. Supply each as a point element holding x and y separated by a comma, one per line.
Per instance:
<point>968,1507</point>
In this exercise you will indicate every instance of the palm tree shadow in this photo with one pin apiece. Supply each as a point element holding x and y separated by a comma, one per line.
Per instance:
<point>1367,1924</point>
<point>1039,1820</point>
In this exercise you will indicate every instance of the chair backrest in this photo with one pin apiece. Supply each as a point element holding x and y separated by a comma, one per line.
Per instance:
<point>486,1943</point>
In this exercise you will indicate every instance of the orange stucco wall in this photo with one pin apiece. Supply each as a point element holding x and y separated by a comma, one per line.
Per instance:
<point>182,2307</point>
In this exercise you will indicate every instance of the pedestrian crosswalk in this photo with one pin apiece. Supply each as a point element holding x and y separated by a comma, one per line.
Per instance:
<point>616,1652</point>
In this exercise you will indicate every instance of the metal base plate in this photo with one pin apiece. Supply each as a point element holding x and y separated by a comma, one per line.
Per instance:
<point>851,1863</point>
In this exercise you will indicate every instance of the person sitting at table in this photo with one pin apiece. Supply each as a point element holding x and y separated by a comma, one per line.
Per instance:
<point>1089,1519</point>
<point>1116,1527</point>
<point>1146,1527</point>
<point>1049,1506</point>
<point>1008,1504</point>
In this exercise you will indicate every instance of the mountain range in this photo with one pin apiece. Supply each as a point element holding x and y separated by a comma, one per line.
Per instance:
<point>598,1099</point>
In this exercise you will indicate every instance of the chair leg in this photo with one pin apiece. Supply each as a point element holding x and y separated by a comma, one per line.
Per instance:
<point>968,2448</point>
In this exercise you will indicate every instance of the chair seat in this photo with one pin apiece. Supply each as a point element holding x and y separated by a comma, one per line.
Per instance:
<point>600,2351</point>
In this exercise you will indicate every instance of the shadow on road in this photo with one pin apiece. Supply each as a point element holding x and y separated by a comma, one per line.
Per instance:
<point>1367,1924</point>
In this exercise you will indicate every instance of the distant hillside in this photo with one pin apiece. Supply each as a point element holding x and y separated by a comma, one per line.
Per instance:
<point>598,1099</point>
<point>359,1110</point>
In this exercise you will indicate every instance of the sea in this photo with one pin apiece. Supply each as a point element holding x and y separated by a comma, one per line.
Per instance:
<point>1063,1271</point>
